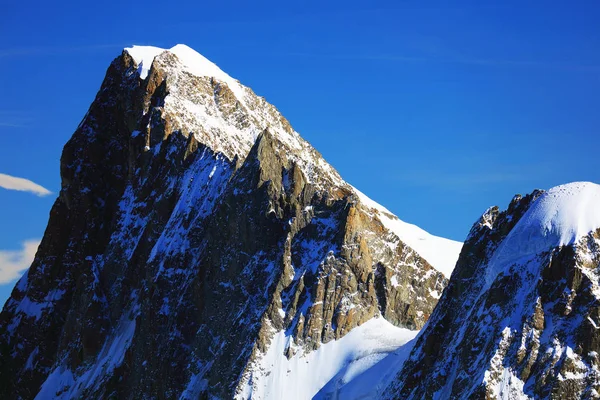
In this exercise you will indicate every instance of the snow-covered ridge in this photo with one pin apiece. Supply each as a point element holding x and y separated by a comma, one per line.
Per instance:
<point>559,217</point>
<point>195,62</point>
<point>440,252</point>
<point>193,109</point>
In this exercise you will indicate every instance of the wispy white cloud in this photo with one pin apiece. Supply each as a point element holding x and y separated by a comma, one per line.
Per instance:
<point>14,262</point>
<point>473,179</point>
<point>14,119</point>
<point>11,124</point>
<point>483,62</point>
<point>469,181</point>
<point>55,50</point>
<point>22,184</point>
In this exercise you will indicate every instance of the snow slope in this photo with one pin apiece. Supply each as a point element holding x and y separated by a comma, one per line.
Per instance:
<point>440,252</point>
<point>63,383</point>
<point>561,216</point>
<point>359,365</point>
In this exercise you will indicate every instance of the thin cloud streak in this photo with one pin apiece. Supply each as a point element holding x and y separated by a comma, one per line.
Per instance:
<point>466,61</point>
<point>312,15</point>
<point>23,185</point>
<point>12,125</point>
<point>461,181</point>
<point>53,50</point>
<point>14,119</point>
<point>14,262</point>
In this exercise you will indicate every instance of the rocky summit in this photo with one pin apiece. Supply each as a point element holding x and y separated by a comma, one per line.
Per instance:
<point>200,248</point>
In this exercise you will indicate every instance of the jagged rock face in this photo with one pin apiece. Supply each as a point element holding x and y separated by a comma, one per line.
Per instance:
<point>519,317</point>
<point>192,225</point>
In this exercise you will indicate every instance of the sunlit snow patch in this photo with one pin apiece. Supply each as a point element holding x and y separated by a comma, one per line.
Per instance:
<point>359,364</point>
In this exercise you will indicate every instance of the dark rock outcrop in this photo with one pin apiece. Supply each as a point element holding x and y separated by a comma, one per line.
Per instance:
<point>178,246</point>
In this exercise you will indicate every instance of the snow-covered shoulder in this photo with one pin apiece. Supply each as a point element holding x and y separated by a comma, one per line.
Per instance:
<point>359,365</point>
<point>440,252</point>
<point>559,217</point>
<point>563,215</point>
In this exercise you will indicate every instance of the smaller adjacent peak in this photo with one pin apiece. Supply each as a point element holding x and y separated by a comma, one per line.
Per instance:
<point>562,215</point>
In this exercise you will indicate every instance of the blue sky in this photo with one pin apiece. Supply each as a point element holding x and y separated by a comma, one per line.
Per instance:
<point>435,111</point>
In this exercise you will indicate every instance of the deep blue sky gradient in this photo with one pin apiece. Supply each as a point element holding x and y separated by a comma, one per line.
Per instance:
<point>436,111</point>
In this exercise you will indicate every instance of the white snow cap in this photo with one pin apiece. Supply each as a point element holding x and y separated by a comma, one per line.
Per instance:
<point>194,62</point>
<point>197,115</point>
<point>563,214</point>
<point>143,57</point>
<point>559,217</point>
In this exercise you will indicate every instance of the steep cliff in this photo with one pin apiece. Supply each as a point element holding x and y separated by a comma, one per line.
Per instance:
<point>196,231</point>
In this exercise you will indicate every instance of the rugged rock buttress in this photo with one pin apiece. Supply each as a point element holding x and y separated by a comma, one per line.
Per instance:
<point>192,224</point>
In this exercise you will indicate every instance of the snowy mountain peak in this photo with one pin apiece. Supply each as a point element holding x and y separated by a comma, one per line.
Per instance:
<point>209,242</point>
<point>218,110</point>
<point>193,61</point>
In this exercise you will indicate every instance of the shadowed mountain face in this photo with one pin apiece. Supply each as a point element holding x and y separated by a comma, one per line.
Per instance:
<point>193,225</point>
<point>520,316</point>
